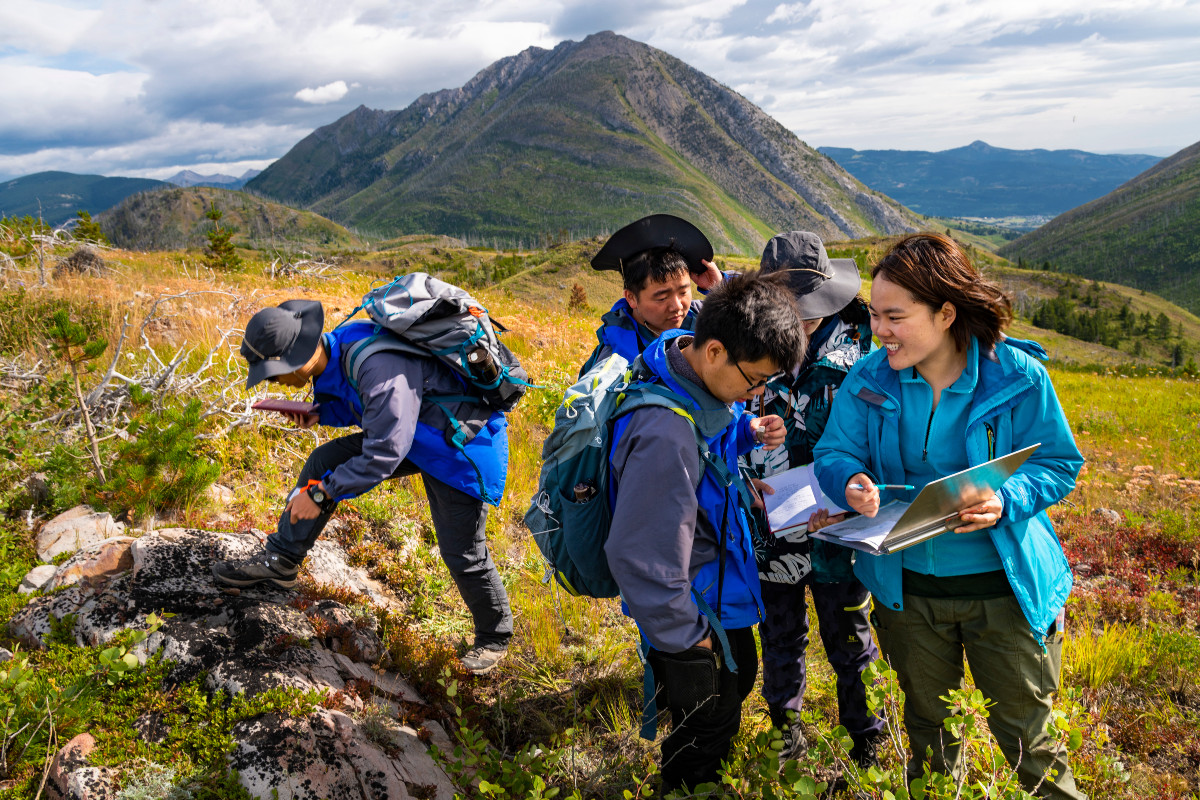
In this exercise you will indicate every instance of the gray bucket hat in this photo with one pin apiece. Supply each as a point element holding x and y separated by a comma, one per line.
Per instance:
<point>823,286</point>
<point>282,339</point>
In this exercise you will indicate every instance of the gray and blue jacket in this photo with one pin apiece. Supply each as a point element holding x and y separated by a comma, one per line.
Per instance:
<point>401,409</point>
<point>620,333</point>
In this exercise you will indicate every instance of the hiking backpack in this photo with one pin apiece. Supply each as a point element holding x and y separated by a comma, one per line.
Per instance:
<point>570,516</point>
<point>429,317</point>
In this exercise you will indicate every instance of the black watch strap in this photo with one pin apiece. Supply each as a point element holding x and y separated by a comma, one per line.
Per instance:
<point>322,498</point>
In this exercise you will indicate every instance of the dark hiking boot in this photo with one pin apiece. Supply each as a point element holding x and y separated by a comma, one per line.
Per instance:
<point>262,566</point>
<point>482,660</point>
<point>795,744</point>
<point>865,752</point>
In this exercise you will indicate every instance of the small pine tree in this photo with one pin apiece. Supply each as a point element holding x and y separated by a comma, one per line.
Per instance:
<point>87,229</point>
<point>578,300</point>
<point>220,253</point>
<point>71,342</point>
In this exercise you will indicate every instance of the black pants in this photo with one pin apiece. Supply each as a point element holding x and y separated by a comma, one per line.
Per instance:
<point>459,521</point>
<point>703,723</point>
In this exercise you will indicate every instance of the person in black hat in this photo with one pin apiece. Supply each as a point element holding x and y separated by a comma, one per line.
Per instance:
<point>659,257</point>
<point>403,432</point>
<point>837,323</point>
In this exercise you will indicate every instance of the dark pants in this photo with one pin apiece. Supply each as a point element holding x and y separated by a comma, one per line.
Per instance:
<point>926,644</point>
<point>843,613</point>
<point>703,723</point>
<point>459,521</point>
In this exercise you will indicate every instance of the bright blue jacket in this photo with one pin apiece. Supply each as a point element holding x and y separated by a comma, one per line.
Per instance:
<point>620,333</point>
<point>726,429</point>
<point>479,468</point>
<point>1014,406</point>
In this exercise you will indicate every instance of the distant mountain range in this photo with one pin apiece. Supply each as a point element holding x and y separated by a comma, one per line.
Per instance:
<point>1144,234</point>
<point>56,196</point>
<point>581,139</point>
<point>991,182</point>
<point>188,178</point>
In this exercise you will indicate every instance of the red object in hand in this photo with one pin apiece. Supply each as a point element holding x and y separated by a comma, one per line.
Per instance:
<point>286,406</point>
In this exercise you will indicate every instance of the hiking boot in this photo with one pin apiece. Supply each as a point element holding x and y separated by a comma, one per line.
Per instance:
<point>865,752</point>
<point>482,660</point>
<point>795,744</point>
<point>262,566</point>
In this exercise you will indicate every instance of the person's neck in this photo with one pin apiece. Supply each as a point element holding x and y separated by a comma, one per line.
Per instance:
<point>943,368</point>
<point>695,359</point>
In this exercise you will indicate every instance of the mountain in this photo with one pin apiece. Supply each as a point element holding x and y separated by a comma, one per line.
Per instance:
<point>1145,234</point>
<point>984,181</point>
<point>173,218</point>
<point>578,140</point>
<point>56,196</point>
<point>189,178</point>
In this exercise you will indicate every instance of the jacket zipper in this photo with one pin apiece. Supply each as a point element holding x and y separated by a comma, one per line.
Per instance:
<point>991,437</point>
<point>928,428</point>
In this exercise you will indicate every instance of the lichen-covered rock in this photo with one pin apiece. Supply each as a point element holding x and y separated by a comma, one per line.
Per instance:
<point>75,529</point>
<point>250,641</point>
<point>327,755</point>
<point>70,757</point>
<point>37,578</point>
<point>96,562</point>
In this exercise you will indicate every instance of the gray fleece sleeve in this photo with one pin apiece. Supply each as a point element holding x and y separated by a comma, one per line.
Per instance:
<point>649,550</point>
<point>390,386</point>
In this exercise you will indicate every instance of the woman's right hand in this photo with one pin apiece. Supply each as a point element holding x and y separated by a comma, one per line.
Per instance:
<point>865,500</point>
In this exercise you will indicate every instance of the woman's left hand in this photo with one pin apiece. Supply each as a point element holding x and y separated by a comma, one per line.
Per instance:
<point>981,515</point>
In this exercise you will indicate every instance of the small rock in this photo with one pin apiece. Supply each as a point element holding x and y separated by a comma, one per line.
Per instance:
<point>37,578</point>
<point>37,486</point>
<point>70,757</point>
<point>1108,515</point>
<point>5,654</point>
<point>75,530</point>
<point>221,495</point>
<point>91,783</point>
<point>102,560</point>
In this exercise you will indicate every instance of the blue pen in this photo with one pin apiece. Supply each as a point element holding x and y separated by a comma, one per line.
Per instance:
<point>897,486</point>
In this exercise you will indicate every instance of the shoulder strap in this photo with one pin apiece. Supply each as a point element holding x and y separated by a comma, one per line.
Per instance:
<point>355,353</point>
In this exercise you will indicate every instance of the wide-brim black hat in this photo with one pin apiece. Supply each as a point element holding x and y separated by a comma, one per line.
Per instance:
<point>656,230</point>
<point>282,339</point>
<point>823,286</point>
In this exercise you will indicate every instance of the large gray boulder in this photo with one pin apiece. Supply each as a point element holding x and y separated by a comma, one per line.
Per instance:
<point>250,641</point>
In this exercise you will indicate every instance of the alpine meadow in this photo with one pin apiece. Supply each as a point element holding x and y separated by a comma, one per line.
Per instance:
<point>132,460</point>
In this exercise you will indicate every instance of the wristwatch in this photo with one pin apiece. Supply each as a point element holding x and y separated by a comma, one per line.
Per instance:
<point>321,498</point>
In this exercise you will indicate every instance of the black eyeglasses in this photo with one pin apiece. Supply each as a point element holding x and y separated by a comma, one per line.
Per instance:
<point>774,376</point>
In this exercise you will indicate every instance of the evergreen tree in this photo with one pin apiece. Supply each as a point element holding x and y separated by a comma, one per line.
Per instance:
<point>87,229</point>
<point>220,253</point>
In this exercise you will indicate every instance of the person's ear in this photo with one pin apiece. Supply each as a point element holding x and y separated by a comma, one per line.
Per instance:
<point>947,314</point>
<point>631,298</point>
<point>714,351</point>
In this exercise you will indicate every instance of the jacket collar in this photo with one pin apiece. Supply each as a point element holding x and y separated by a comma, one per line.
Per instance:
<point>710,414</point>
<point>1003,378</point>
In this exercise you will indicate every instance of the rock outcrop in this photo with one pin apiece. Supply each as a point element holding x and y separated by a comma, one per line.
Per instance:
<point>248,641</point>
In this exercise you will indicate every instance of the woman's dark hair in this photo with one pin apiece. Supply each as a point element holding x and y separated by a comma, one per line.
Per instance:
<point>656,264</point>
<point>754,316</point>
<point>855,312</point>
<point>935,270</point>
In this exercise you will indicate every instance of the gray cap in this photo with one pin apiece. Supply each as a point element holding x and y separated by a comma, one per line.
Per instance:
<point>823,286</point>
<point>282,339</point>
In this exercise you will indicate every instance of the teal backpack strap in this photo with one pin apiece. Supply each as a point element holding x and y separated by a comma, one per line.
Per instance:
<point>459,439</point>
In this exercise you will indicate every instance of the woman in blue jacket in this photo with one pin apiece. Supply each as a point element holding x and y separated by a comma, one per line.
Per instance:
<point>947,390</point>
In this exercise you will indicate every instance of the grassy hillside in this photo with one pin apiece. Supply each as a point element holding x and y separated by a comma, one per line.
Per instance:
<point>54,197</point>
<point>168,219</point>
<point>571,686</point>
<point>1145,234</point>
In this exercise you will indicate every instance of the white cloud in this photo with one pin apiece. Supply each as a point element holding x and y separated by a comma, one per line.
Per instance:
<point>329,93</point>
<point>131,86</point>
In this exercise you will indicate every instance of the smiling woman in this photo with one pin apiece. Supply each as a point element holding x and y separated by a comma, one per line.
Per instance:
<point>947,392</point>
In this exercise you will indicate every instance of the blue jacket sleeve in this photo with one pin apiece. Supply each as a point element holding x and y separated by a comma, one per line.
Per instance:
<point>843,450</point>
<point>1049,474</point>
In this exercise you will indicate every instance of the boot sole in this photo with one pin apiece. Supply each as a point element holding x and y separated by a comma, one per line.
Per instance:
<point>282,583</point>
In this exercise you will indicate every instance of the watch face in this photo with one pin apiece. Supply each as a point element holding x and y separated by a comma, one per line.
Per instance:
<point>317,496</point>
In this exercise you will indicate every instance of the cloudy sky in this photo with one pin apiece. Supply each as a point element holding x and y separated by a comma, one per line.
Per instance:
<point>148,87</point>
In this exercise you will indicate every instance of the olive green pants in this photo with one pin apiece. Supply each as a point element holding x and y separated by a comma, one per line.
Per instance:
<point>926,644</point>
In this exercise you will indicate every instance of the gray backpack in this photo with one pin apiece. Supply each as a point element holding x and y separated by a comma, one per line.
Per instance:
<point>422,315</point>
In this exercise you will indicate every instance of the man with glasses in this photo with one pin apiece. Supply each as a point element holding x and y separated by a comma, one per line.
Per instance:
<point>403,432</point>
<point>679,545</point>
